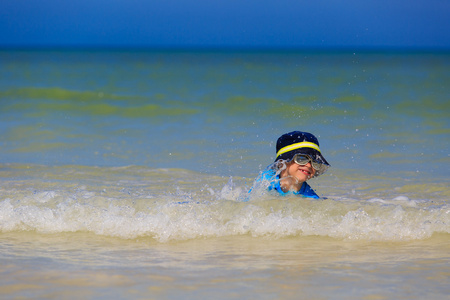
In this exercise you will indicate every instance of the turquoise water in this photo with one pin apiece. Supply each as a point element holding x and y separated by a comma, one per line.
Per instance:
<point>123,174</point>
<point>222,112</point>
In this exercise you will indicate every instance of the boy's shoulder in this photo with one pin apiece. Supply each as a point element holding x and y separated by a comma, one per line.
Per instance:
<point>307,191</point>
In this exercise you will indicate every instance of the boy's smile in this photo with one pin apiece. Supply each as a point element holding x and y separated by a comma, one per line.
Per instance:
<point>306,172</point>
<point>302,173</point>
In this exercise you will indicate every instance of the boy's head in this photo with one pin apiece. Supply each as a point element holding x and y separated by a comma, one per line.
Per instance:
<point>298,142</point>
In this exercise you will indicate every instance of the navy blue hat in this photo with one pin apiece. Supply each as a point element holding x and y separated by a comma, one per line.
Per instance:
<point>295,142</point>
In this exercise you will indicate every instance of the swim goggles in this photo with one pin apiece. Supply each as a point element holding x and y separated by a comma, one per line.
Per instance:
<point>303,159</point>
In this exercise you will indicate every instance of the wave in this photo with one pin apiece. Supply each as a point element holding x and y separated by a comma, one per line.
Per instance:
<point>170,204</point>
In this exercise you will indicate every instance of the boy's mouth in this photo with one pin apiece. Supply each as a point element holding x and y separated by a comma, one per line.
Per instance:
<point>305,172</point>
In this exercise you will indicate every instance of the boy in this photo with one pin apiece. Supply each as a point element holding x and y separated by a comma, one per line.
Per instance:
<point>298,159</point>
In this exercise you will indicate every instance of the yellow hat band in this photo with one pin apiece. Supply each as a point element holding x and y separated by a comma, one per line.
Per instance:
<point>297,146</point>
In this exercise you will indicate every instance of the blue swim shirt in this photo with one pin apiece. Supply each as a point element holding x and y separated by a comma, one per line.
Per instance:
<point>273,179</point>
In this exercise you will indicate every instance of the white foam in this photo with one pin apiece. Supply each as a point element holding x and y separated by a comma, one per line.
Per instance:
<point>168,218</point>
<point>403,200</point>
<point>230,191</point>
<point>45,196</point>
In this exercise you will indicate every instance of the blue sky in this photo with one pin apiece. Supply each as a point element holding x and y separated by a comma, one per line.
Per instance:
<point>227,23</point>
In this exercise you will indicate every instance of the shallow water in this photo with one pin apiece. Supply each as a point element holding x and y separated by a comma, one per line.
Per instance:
<point>102,232</point>
<point>239,267</point>
<point>126,175</point>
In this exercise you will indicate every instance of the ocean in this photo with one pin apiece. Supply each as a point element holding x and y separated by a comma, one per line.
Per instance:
<point>125,174</point>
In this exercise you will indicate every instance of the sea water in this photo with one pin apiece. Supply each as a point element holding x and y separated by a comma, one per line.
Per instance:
<point>125,174</point>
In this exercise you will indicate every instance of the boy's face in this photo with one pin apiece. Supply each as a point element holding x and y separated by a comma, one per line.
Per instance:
<point>302,173</point>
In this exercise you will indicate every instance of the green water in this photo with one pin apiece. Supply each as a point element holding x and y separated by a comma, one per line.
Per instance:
<point>222,112</point>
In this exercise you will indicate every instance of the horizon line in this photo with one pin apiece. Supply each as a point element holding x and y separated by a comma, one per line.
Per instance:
<point>198,48</point>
